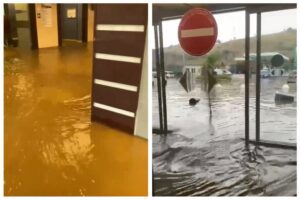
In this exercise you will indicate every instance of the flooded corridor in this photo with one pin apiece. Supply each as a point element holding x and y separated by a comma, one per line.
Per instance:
<point>50,145</point>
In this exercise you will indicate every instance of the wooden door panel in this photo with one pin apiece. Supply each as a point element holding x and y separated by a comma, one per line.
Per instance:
<point>120,33</point>
<point>125,43</point>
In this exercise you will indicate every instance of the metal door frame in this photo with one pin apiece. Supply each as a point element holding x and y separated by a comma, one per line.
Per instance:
<point>160,68</point>
<point>258,11</point>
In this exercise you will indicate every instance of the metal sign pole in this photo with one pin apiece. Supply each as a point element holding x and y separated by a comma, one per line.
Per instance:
<point>164,83</point>
<point>158,77</point>
<point>258,68</point>
<point>247,70</point>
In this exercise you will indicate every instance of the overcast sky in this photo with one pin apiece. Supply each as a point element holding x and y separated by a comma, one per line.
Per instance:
<point>232,25</point>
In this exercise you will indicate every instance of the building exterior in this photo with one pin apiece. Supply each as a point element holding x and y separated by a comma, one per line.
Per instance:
<point>194,69</point>
<point>266,61</point>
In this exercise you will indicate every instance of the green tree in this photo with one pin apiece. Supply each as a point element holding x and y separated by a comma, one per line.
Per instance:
<point>209,79</point>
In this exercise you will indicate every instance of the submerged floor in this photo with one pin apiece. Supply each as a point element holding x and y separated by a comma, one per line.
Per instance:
<point>50,145</point>
<point>200,158</point>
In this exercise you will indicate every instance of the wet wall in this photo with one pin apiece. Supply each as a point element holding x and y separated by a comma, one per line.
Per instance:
<point>46,23</point>
<point>47,26</point>
<point>91,15</point>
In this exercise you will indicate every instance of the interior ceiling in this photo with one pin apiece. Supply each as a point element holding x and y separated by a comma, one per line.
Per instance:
<point>171,11</point>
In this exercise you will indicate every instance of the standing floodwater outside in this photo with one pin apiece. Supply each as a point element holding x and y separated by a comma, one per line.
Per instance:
<point>204,152</point>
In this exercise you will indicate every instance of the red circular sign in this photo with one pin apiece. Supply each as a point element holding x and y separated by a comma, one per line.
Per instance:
<point>197,32</point>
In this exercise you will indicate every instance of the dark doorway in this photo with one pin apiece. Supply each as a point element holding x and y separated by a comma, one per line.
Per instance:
<point>72,22</point>
<point>10,29</point>
<point>19,26</point>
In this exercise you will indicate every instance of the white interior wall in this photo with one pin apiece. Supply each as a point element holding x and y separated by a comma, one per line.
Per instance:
<point>141,121</point>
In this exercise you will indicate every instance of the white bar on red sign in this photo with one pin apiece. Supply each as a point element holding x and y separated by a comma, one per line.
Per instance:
<point>199,32</point>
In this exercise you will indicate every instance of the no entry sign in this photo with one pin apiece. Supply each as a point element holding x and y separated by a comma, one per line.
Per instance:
<point>197,32</point>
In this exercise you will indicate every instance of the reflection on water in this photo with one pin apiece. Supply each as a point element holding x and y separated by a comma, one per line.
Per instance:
<point>51,147</point>
<point>203,159</point>
<point>74,143</point>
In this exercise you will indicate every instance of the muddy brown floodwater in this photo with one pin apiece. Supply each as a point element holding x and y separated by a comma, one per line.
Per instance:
<point>50,145</point>
<point>203,159</point>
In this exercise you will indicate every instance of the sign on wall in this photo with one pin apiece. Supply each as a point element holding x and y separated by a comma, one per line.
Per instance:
<point>47,15</point>
<point>71,13</point>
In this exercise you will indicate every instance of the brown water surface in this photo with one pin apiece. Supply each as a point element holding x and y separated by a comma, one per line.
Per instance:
<point>51,147</point>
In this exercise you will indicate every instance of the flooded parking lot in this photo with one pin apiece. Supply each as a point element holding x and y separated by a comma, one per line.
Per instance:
<point>199,158</point>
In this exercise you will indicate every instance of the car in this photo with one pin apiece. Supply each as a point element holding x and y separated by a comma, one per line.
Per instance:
<point>169,74</point>
<point>292,78</point>
<point>265,73</point>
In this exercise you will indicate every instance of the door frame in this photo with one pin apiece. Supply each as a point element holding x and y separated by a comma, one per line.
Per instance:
<point>33,27</point>
<point>84,19</point>
<point>10,12</point>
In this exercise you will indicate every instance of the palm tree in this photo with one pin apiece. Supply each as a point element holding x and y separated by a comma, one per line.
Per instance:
<point>208,78</point>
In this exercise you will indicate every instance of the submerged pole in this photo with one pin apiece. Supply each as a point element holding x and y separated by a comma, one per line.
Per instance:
<point>159,84</point>
<point>258,68</point>
<point>164,83</point>
<point>247,74</point>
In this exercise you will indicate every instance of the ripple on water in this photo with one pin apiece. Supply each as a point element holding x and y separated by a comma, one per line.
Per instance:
<point>203,159</point>
<point>223,168</point>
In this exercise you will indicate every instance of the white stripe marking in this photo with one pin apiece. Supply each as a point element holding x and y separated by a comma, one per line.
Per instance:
<point>197,32</point>
<point>119,27</point>
<point>116,85</point>
<point>113,109</point>
<point>118,58</point>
